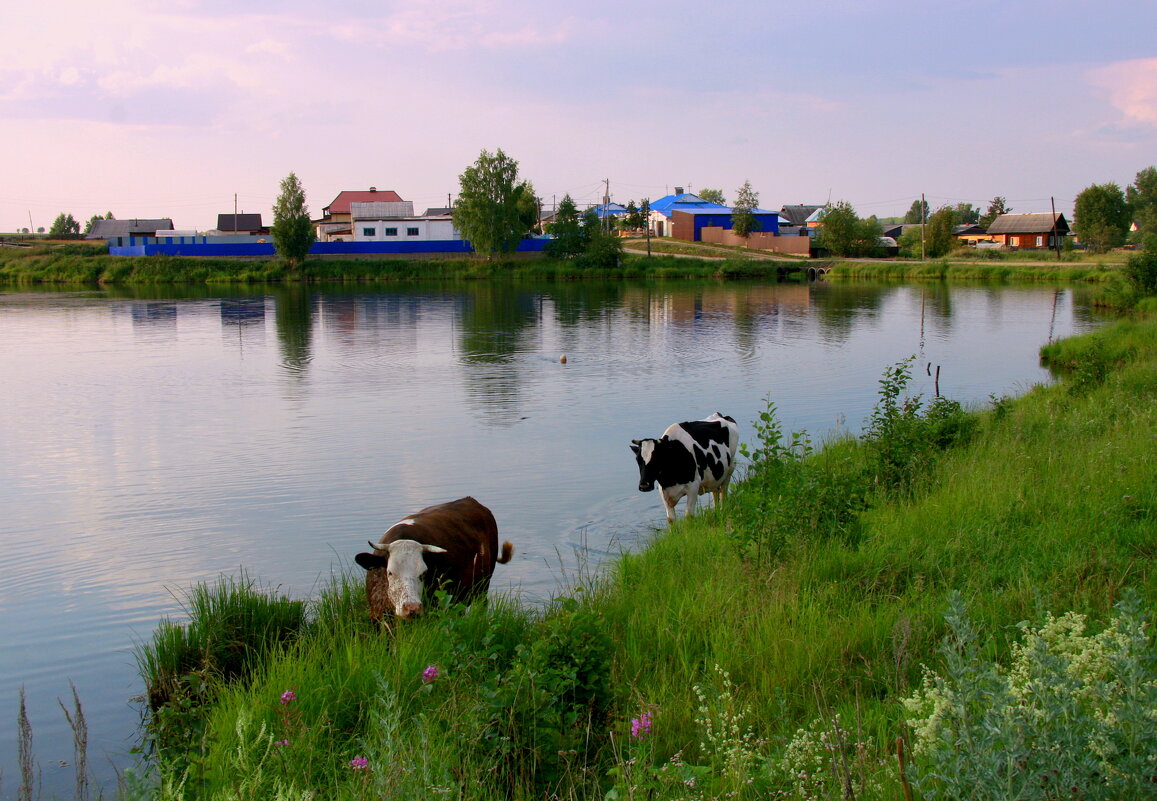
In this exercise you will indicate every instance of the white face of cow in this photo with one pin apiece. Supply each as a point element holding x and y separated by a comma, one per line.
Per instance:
<point>405,566</point>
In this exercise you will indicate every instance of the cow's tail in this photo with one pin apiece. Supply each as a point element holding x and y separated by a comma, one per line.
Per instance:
<point>507,552</point>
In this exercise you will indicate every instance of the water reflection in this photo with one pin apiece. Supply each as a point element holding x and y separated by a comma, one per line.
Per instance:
<point>293,318</point>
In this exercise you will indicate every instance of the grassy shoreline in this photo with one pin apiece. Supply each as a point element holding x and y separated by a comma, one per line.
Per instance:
<point>764,651</point>
<point>84,264</point>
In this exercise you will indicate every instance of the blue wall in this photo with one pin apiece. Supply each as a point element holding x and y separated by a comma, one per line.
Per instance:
<point>205,246</point>
<point>768,223</point>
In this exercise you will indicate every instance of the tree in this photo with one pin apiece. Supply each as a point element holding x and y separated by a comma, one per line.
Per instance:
<point>633,219</point>
<point>712,196</point>
<point>1142,198</point>
<point>966,214</point>
<point>1101,217</point>
<point>843,233</point>
<point>64,225</point>
<point>569,241</point>
<point>293,233</point>
<point>996,207</point>
<point>489,198</point>
<point>529,207</point>
<point>917,212</point>
<point>938,233</point>
<point>582,237</point>
<point>743,222</point>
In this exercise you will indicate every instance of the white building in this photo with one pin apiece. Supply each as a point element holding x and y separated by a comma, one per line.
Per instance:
<point>396,222</point>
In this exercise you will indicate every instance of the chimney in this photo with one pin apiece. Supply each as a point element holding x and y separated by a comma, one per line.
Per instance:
<point>373,189</point>
<point>678,190</point>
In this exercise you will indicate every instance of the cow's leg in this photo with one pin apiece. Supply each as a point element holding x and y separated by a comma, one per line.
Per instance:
<point>692,500</point>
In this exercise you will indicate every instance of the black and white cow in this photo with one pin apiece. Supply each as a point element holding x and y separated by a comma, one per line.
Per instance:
<point>690,459</point>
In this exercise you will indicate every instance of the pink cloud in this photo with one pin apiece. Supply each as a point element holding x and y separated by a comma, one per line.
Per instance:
<point>1131,86</point>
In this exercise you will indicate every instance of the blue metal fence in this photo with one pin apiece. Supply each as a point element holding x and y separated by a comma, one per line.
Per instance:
<point>205,246</point>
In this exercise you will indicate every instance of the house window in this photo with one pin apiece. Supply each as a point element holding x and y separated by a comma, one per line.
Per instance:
<point>369,231</point>
<point>1040,241</point>
<point>1014,241</point>
<point>391,232</point>
<point>411,232</point>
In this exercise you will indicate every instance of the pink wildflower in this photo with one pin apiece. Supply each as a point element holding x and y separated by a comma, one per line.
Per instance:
<point>641,727</point>
<point>360,763</point>
<point>281,743</point>
<point>430,674</point>
<point>287,697</point>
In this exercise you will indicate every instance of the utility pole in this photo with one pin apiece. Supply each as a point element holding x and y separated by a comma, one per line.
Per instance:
<point>923,220</point>
<point>1056,240</point>
<point>234,212</point>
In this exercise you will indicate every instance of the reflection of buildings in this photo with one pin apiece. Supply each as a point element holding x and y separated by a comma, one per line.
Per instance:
<point>153,314</point>
<point>692,306</point>
<point>242,311</point>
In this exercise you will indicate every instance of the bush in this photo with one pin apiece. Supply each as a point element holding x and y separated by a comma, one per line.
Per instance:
<point>548,710</point>
<point>1070,717</point>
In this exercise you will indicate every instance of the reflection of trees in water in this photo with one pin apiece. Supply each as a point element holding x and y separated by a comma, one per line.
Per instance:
<point>494,321</point>
<point>578,303</point>
<point>294,320</point>
<point>837,305</point>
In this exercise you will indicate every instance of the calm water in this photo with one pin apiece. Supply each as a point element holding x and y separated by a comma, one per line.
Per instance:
<point>148,443</point>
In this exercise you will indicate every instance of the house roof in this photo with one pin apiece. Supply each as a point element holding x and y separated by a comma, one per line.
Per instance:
<point>107,229</point>
<point>683,202</point>
<point>967,229</point>
<point>238,222</point>
<point>341,203</point>
<point>1028,223</point>
<point>725,210</point>
<point>797,215</point>
<point>442,211</point>
<point>610,210</point>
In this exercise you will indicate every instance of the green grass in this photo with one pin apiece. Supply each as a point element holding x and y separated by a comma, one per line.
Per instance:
<point>79,264</point>
<point>953,269</point>
<point>750,662</point>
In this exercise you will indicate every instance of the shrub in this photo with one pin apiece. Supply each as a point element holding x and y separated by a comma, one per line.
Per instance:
<point>548,709</point>
<point>1072,716</point>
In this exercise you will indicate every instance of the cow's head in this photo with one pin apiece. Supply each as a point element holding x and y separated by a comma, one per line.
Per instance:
<point>394,577</point>
<point>645,451</point>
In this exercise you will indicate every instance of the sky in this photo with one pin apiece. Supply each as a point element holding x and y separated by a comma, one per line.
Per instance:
<point>191,108</point>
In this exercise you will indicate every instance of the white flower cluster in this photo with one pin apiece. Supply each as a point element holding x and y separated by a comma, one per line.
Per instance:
<point>1074,714</point>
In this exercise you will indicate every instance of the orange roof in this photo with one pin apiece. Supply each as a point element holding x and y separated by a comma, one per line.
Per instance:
<point>341,203</point>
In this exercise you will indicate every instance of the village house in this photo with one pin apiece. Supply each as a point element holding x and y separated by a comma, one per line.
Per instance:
<point>661,222</point>
<point>336,221</point>
<point>246,224</point>
<point>1030,231</point>
<point>379,221</point>
<point>119,229</point>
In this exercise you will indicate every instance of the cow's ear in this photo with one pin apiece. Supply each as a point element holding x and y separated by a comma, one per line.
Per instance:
<point>433,549</point>
<point>370,561</point>
<point>635,445</point>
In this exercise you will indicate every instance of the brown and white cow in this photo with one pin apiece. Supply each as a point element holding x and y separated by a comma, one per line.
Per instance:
<point>452,545</point>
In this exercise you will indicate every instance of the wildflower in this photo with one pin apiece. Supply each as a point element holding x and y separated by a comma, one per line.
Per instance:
<point>287,697</point>
<point>430,674</point>
<point>360,763</point>
<point>281,743</point>
<point>641,727</point>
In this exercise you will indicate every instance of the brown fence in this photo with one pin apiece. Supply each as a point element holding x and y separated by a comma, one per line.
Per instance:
<point>791,245</point>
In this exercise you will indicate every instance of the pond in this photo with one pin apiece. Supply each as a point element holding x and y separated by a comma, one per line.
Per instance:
<point>156,438</point>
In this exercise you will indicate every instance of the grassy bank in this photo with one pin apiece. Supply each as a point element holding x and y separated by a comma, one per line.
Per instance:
<point>79,264</point>
<point>1091,271</point>
<point>765,651</point>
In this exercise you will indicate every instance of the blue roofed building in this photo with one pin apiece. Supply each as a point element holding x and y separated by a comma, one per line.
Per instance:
<point>661,210</point>
<point>688,223</point>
